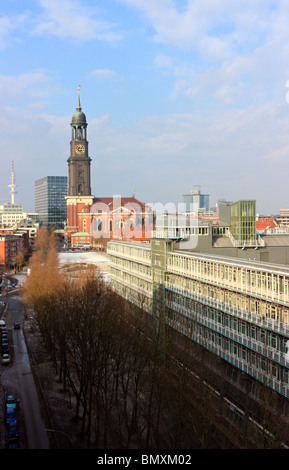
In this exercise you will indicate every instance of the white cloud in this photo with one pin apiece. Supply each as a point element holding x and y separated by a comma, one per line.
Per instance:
<point>98,123</point>
<point>232,52</point>
<point>69,18</point>
<point>9,25</point>
<point>163,61</point>
<point>210,26</point>
<point>26,85</point>
<point>103,74</point>
<point>243,153</point>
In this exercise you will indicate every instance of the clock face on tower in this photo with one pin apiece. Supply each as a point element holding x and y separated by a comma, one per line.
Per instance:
<point>79,149</point>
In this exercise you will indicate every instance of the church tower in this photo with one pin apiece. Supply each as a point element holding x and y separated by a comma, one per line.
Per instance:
<point>79,161</point>
<point>79,187</point>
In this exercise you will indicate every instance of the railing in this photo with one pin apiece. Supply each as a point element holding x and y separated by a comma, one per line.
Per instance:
<point>277,326</point>
<point>141,259</point>
<point>233,285</point>
<point>237,361</point>
<point>128,284</point>
<point>245,243</point>
<point>242,339</point>
<point>132,270</point>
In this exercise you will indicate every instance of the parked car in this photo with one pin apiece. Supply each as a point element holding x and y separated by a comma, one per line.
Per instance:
<point>12,431</point>
<point>16,326</point>
<point>4,349</point>
<point>10,416</point>
<point>10,401</point>
<point>5,359</point>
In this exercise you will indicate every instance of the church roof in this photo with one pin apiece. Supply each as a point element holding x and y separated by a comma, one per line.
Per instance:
<point>78,118</point>
<point>129,202</point>
<point>81,234</point>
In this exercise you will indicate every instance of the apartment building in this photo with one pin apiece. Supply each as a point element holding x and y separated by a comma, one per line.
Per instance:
<point>9,247</point>
<point>236,308</point>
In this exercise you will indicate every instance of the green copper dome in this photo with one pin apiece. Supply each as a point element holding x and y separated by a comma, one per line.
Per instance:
<point>78,118</point>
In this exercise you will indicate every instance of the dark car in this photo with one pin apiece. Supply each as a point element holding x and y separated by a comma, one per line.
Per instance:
<point>16,326</point>
<point>4,348</point>
<point>10,402</point>
<point>12,431</point>
<point>10,416</point>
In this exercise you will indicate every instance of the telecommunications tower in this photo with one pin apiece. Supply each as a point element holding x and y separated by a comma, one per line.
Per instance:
<point>13,186</point>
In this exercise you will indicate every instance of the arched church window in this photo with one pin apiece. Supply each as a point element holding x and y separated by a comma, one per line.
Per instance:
<point>94,225</point>
<point>99,225</point>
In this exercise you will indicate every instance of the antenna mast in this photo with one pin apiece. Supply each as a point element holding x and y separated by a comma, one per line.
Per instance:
<point>13,186</point>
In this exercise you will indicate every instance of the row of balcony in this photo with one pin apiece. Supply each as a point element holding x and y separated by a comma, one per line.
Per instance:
<point>144,255</point>
<point>276,326</point>
<point>242,339</point>
<point>132,270</point>
<point>266,351</point>
<point>269,294</point>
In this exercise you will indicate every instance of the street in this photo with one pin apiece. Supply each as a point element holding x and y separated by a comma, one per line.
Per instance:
<point>17,378</point>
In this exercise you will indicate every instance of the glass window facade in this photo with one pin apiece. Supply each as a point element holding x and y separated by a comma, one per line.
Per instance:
<point>50,202</point>
<point>243,220</point>
<point>196,201</point>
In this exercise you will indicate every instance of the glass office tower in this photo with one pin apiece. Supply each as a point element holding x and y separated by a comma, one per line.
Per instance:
<point>195,201</point>
<point>50,202</point>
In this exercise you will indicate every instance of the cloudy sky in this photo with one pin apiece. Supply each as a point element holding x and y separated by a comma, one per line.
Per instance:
<point>176,93</point>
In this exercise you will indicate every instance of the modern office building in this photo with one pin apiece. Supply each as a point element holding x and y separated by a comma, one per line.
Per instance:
<point>195,201</point>
<point>50,203</point>
<point>11,214</point>
<point>283,218</point>
<point>237,309</point>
